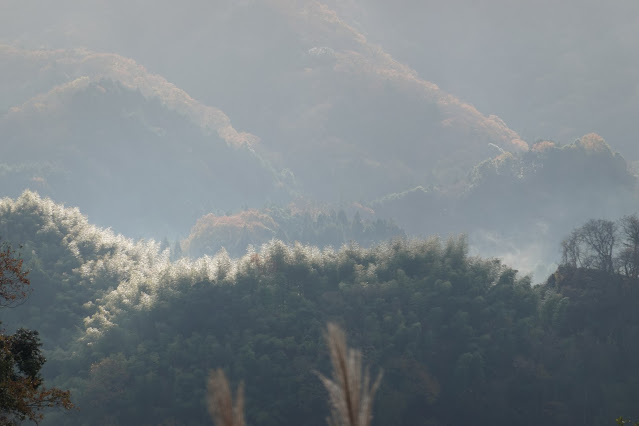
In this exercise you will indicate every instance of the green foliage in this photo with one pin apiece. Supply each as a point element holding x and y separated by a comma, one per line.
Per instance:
<point>461,339</point>
<point>22,394</point>
<point>220,401</point>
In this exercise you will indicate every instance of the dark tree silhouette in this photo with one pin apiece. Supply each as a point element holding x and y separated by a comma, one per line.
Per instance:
<point>22,394</point>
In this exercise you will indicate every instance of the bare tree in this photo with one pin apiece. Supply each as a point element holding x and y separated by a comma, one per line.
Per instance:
<point>571,250</point>
<point>591,246</point>
<point>599,236</point>
<point>629,256</point>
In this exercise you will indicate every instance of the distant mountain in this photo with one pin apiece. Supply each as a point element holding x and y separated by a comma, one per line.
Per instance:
<point>28,75</point>
<point>347,119</point>
<point>550,70</point>
<point>548,182</point>
<point>371,122</point>
<point>329,115</point>
<point>520,206</point>
<point>132,150</point>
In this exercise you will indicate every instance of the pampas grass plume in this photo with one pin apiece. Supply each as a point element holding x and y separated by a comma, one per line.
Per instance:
<point>350,392</point>
<point>220,401</point>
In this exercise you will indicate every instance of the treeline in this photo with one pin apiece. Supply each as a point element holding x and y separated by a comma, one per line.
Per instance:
<point>321,228</point>
<point>461,340</point>
<point>606,245</point>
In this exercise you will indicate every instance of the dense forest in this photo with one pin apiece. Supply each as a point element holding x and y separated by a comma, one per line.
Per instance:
<point>201,201</point>
<point>460,339</point>
<point>317,227</point>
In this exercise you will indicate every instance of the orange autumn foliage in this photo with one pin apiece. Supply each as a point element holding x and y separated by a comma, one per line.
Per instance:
<point>13,279</point>
<point>225,230</point>
<point>593,143</point>
<point>542,146</point>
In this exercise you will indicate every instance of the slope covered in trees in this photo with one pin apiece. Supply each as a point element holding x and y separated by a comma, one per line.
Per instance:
<point>337,119</point>
<point>550,70</point>
<point>521,205</point>
<point>322,114</point>
<point>322,99</point>
<point>460,339</point>
<point>121,142</point>
<point>549,182</point>
<point>321,228</point>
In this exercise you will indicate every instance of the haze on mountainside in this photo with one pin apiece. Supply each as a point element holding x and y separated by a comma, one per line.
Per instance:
<point>150,116</point>
<point>205,184</point>
<point>551,70</point>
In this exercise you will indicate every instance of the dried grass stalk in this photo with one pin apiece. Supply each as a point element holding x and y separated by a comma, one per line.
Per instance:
<point>350,392</point>
<point>220,401</point>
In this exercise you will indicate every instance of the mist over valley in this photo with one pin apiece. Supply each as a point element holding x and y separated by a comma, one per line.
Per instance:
<point>200,185</point>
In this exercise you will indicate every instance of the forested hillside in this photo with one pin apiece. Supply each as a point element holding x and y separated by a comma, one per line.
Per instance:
<point>552,183</point>
<point>122,142</point>
<point>318,227</point>
<point>313,112</point>
<point>550,70</point>
<point>320,98</point>
<point>203,186</point>
<point>461,339</point>
<point>520,206</point>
